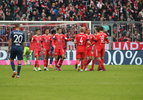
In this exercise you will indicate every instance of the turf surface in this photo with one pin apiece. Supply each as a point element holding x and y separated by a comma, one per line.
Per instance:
<point>117,83</point>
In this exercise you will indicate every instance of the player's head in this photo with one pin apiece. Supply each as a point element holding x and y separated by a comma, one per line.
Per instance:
<point>97,30</point>
<point>88,31</point>
<point>17,25</point>
<point>59,30</point>
<point>53,32</point>
<point>38,31</point>
<point>82,29</point>
<point>101,28</point>
<point>63,31</point>
<point>46,31</point>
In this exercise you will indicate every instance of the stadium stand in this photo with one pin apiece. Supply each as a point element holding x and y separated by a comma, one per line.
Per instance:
<point>75,10</point>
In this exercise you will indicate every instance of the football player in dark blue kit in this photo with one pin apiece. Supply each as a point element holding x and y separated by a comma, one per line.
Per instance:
<point>17,44</point>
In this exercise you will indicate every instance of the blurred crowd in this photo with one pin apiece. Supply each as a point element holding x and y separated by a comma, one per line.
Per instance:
<point>78,10</point>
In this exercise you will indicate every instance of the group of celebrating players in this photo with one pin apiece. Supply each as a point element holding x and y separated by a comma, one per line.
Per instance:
<point>88,47</point>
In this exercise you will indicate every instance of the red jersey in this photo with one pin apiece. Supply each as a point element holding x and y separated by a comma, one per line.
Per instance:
<point>90,37</point>
<point>104,38</point>
<point>58,40</point>
<point>36,42</point>
<point>97,39</point>
<point>64,40</point>
<point>46,41</point>
<point>81,42</point>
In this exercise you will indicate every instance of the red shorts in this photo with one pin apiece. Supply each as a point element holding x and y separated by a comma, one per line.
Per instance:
<point>37,53</point>
<point>46,52</point>
<point>58,52</point>
<point>102,51</point>
<point>88,53</point>
<point>80,55</point>
<point>97,52</point>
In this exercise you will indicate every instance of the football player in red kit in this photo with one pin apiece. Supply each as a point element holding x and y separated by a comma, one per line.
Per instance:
<point>36,42</point>
<point>57,44</point>
<point>104,39</point>
<point>94,49</point>
<point>81,40</point>
<point>47,39</point>
<point>88,52</point>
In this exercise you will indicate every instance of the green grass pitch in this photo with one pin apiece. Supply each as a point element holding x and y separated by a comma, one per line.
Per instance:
<point>123,82</point>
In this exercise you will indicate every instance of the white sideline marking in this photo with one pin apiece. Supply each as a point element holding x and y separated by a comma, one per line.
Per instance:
<point>68,83</point>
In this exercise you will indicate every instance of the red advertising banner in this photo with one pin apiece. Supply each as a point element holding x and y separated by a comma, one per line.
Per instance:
<point>127,45</point>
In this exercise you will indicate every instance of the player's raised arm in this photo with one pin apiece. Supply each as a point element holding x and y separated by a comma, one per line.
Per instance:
<point>75,41</point>
<point>106,39</point>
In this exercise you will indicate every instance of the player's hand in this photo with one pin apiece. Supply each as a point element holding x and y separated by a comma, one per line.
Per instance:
<point>65,47</point>
<point>54,46</point>
<point>88,46</point>
<point>8,52</point>
<point>29,51</point>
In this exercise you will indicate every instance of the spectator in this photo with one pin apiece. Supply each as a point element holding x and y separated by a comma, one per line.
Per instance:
<point>142,36</point>
<point>23,18</point>
<point>9,17</point>
<point>79,17</point>
<point>120,38</point>
<point>114,38</point>
<point>1,16</point>
<point>49,18</point>
<point>23,8</point>
<point>136,37</point>
<point>53,16</point>
<point>141,12</point>
<point>68,17</point>
<point>127,38</point>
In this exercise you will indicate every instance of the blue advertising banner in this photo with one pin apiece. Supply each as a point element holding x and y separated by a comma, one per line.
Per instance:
<point>125,57</point>
<point>112,57</point>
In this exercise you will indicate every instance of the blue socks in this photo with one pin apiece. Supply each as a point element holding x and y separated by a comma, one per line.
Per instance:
<point>18,69</point>
<point>13,66</point>
<point>51,60</point>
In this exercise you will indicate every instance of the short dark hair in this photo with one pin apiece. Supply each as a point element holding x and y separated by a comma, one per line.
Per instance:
<point>101,28</point>
<point>37,29</point>
<point>46,29</point>
<point>17,25</point>
<point>59,28</point>
<point>97,29</point>
<point>53,32</point>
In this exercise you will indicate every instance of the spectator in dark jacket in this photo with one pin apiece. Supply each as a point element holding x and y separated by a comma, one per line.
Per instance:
<point>9,17</point>
<point>23,8</point>
<point>53,16</point>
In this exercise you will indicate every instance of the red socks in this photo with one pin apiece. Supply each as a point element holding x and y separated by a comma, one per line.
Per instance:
<point>93,62</point>
<point>56,63</point>
<point>82,63</point>
<point>102,60</point>
<point>85,63</point>
<point>100,63</point>
<point>45,63</point>
<point>88,61</point>
<point>60,62</point>
<point>37,63</point>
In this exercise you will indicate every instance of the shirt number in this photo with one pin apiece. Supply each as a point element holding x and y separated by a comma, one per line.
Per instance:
<point>81,41</point>
<point>102,39</point>
<point>18,39</point>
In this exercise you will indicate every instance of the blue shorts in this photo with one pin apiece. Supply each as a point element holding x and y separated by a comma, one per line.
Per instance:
<point>16,52</point>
